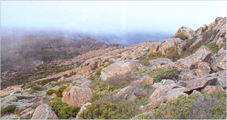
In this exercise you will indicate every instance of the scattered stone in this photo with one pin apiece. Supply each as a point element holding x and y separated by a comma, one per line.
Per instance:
<point>186,75</point>
<point>156,103</point>
<point>203,69</point>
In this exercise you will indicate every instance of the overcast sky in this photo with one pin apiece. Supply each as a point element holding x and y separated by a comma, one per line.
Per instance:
<point>110,16</point>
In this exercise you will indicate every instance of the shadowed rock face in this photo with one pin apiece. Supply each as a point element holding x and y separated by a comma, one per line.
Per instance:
<point>200,83</point>
<point>44,111</point>
<point>77,95</point>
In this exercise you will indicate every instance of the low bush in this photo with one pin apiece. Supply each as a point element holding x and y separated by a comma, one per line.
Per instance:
<point>59,91</point>
<point>98,72</point>
<point>63,110</point>
<point>8,109</point>
<point>145,62</point>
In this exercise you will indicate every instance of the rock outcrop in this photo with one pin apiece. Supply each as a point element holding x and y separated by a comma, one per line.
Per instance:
<point>203,54</point>
<point>171,42</point>
<point>77,95</point>
<point>185,33</point>
<point>44,111</point>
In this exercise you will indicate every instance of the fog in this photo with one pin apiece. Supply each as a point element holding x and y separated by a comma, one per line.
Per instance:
<point>123,22</point>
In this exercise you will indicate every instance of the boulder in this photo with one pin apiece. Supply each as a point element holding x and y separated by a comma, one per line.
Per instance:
<point>184,33</point>
<point>203,69</point>
<point>120,68</point>
<point>84,107</point>
<point>203,54</point>
<point>219,63</point>
<point>211,89</point>
<point>77,95</point>
<point>220,28</point>
<point>222,79</point>
<point>175,92</point>
<point>156,103</point>
<point>162,90</point>
<point>44,111</point>
<point>147,80</point>
<point>186,75</point>
<point>171,42</point>
<point>199,83</point>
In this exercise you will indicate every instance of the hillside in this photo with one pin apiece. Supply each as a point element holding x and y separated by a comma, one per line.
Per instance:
<point>183,77</point>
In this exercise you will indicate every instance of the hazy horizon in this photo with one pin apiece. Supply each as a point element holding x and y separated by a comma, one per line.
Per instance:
<point>110,18</point>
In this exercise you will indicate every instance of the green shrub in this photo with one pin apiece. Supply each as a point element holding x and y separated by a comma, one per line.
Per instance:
<point>98,72</point>
<point>145,62</point>
<point>8,109</point>
<point>214,47</point>
<point>162,73</point>
<point>172,53</point>
<point>59,92</point>
<point>63,110</point>
<point>155,55</point>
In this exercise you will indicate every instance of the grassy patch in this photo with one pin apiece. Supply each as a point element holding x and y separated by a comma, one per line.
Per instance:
<point>145,62</point>
<point>162,73</point>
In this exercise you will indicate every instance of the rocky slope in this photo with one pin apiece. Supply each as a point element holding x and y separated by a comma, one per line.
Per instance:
<point>181,77</point>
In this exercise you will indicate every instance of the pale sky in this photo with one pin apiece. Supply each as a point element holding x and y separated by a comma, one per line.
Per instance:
<point>110,16</point>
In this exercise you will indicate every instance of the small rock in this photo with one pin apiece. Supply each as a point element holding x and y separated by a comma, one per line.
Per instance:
<point>147,80</point>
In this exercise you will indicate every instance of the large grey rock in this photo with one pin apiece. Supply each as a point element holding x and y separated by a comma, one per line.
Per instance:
<point>203,69</point>
<point>199,83</point>
<point>211,89</point>
<point>222,79</point>
<point>203,54</point>
<point>186,75</point>
<point>120,68</point>
<point>219,63</point>
<point>44,111</point>
<point>27,115</point>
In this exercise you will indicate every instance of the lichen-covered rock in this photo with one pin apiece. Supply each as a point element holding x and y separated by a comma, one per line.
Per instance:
<point>154,47</point>
<point>211,89</point>
<point>222,79</point>
<point>171,42</point>
<point>200,83</point>
<point>220,28</point>
<point>120,68</point>
<point>11,116</point>
<point>219,63</point>
<point>160,61</point>
<point>184,33</point>
<point>203,54</point>
<point>186,75</point>
<point>44,111</point>
<point>203,69</point>
<point>174,93</point>
<point>77,95</point>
